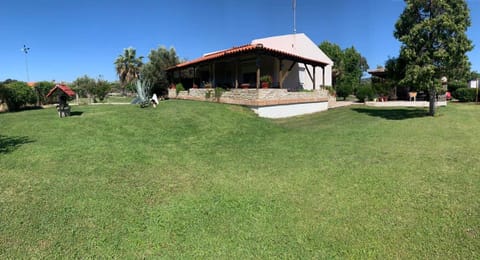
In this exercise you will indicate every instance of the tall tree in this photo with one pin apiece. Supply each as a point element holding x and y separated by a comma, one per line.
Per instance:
<point>348,64</point>
<point>335,53</point>
<point>354,64</point>
<point>154,70</point>
<point>42,88</point>
<point>127,66</point>
<point>434,43</point>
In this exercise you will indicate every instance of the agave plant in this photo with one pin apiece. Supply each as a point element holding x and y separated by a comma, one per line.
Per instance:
<point>143,90</point>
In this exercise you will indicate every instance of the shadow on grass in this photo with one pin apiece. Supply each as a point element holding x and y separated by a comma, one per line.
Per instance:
<point>76,113</point>
<point>9,144</point>
<point>393,114</point>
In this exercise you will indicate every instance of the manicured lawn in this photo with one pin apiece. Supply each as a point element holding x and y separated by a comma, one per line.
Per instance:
<point>203,180</point>
<point>108,99</point>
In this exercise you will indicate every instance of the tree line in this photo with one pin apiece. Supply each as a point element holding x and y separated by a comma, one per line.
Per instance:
<point>433,46</point>
<point>130,68</point>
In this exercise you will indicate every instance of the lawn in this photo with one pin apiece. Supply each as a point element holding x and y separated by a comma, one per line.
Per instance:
<point>205,180</point>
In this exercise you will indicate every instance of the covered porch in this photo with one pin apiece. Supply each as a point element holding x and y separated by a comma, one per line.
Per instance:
<point>243,67</point>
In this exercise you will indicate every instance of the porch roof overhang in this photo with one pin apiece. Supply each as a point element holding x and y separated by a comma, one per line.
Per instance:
<point>379,72</point>
<point>255,49</point>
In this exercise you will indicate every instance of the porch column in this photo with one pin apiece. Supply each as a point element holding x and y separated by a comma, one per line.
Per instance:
<point>214,83</point>
<point>236,73</point>
<point>209,73</point>
<point>314,77</point>
<point>258,72</point>
<point>280,81</point>
<point>194,75</point>
<point>323,76</point>
<point>310,74</point>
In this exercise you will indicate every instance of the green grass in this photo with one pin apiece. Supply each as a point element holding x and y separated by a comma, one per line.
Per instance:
<point>205,180</point>
<point>107,100</point>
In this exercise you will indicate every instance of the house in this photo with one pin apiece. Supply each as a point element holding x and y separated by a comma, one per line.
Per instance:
<point>293,62</point>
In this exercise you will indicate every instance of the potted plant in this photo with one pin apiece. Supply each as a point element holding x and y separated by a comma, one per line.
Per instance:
<point>266,81</point>
<point>207,84</point>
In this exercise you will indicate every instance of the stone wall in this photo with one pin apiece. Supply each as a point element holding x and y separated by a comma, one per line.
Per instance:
<point>253,97</point>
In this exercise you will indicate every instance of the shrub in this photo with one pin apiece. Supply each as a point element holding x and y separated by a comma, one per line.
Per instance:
<point>208,94</point>
<point>331,90</point>
<point>17,94</point>
<point>465,94</point>
<point>102,88</point>
<point>219,93</point>
<point>344,90</point>
<point>365,93</point>
<point>454,85</point>
<point>179,87</point>
<point>381,88</point>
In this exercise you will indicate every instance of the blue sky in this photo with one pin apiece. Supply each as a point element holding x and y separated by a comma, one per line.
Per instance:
<point>72,38</point>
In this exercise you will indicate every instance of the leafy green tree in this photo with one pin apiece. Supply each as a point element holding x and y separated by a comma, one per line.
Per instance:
<point>101,89</point>
<point>84,86</point>
<point>17,94</point>
<point>395,69</point>
<point>334,52</point>
<point>42,88</point>
<point>91,88</point>
<point>154,70</point>
<point>475,75</point>
<point>348,66</point>
<point>434,43</point>
<point>127,66</point>
<point>354,64</point>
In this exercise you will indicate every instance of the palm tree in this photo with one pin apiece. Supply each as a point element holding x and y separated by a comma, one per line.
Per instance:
<point>128,66</point>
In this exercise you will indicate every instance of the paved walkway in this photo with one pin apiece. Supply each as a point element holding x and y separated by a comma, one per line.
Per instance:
<point>387,104</point>
<point>343,104</point>
<point>404,104</point>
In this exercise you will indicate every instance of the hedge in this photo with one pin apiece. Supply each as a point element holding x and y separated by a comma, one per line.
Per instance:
<point>465,94</point>
<point>17,94</point>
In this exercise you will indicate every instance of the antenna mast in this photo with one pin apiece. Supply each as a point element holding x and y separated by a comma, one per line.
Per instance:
<point>294,2</point>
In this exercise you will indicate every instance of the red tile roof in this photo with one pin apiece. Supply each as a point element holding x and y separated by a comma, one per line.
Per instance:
<point>64,88</point>
<point>250,48</point>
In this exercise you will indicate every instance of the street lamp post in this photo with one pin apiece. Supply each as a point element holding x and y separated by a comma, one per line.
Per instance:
<point>477,90</point>
<point>25,50</point>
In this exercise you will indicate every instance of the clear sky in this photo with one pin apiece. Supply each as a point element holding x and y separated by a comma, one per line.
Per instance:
<point>72,38</point>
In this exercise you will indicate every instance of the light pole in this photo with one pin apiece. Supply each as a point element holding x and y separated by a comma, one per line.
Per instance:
<point>477,90</point>
<point>25,50</point>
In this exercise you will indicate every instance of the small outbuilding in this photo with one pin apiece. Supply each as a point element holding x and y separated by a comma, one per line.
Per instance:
<point>63,92</point>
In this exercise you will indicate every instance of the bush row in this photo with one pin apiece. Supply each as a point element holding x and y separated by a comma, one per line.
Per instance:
<point>465,94</point>
<point>16,94</point>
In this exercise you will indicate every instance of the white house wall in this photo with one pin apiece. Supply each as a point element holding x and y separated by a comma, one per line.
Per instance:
<point>308,83</point>
<point>299,44</point>
<point>283,111</point>
<point>473,83</point>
